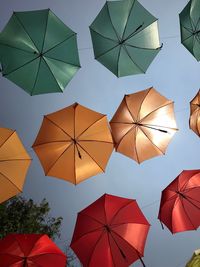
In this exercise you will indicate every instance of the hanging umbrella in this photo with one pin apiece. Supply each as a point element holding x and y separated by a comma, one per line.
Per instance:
<point>14,164</point>
<point>195,114</point>
<point>125,37</point>
<point>74,143</point>
<point>38,52</point>
<point>112,231</point>
<point>143,125</point>
<point>180,202</point>
<point>195,260</point>
<point>190,27</point>
<point>30,250</point>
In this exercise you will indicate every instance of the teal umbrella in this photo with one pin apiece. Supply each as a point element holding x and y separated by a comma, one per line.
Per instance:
<point>38,52</point>
<point>125,37</point>
<point>190,27</point>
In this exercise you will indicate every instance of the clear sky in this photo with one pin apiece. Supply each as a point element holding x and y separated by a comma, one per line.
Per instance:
<point>174,73</point>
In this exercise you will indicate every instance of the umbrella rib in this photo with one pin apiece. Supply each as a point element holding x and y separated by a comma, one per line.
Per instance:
<point>125,100</point>
<point>98,240</point>
<point>186,28</point>
<point>118,57</point>
<point>187,214</point>
<point>121,208</point>
<point>46,117</point>
<point>50,142</point>
<point>191,202</point>
<point>112,22</point>
<point>175,203</point>
<point>107,51</point>
<point>167,104</point>
<point>103,116</point>
<point>187,38</point>
<point>133,60</point>
<point>94,219</point>
<point>136,152</point>
<point>151,141</point>
<point>120,250</point>
<point>128,242</point>
<point>7,178</point>
<point>73,34</point>
<point>149,90</point>
<point>91,158</point>
<point>63,61</point>
<point>52,74</point>
<point>6,74</point>
<point>4,160</point>
<point>193,198</point>
<point>141,29</point>
<point>143,48</point>
<point>36,77</point>
<point>98,141</point>
<point>26,31</point>
<point>124,136</point>
<point>128,19</point>
<point>58,159</point>
<point>7,139</point>
<point>111,250</point>
<point>105,37</point>
<point>45,31</point>
<point>11,46</point>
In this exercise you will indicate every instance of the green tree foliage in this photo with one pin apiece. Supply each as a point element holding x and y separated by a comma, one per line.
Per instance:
<point>20,215</point>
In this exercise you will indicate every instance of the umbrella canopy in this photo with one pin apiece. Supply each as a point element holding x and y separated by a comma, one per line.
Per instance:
<point>38,52</point>
<point>190,27</point>
<point>195,260</point>
<point>125,37</point>
<point>180,202</point>
<point>30,250</point>
<point>195,114</point>
<point>115,231</point>
<point>143,125</point>
<point>74,143</point>
<point>14,164</point>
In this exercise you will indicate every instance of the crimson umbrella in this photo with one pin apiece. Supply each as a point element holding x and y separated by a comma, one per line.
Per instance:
<point>180,202</point>
<point>30,250</point>
<point>112,231</point>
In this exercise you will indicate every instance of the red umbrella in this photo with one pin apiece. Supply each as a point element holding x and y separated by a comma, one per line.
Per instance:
<point>30,250</point>
<point>180,202</point>
<point>111,232</point>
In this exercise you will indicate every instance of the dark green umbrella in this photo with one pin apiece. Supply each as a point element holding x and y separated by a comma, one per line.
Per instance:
<point>38,52</point>
<point>125,37</point>
<point>190,27</point>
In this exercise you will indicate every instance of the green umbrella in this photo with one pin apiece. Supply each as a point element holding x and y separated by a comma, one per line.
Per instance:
<point>190,27</point>
<point>125,37</point>
<point>38,52</point>
<point>195,260</point>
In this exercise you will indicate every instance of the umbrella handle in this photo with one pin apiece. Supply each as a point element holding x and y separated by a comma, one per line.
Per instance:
<point>162,225</point>
<point>25,263</point>
<point>143,264</point>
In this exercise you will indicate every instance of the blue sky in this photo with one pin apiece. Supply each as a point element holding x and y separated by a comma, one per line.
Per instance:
<point>174,73</point>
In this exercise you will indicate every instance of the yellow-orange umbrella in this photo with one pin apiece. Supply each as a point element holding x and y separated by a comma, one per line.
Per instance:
<point>195,114</point>
<point>143,125</point>
<point>74,143</point>
<point>14,164</point>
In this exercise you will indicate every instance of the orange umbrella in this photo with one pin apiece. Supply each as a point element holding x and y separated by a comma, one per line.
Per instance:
<point>143,125</point>
<point>195,114</point>
<point>14,164</point>
<point>74,143</point>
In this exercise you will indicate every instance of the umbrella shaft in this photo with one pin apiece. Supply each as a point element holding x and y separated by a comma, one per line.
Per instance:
<point>157,129</point>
